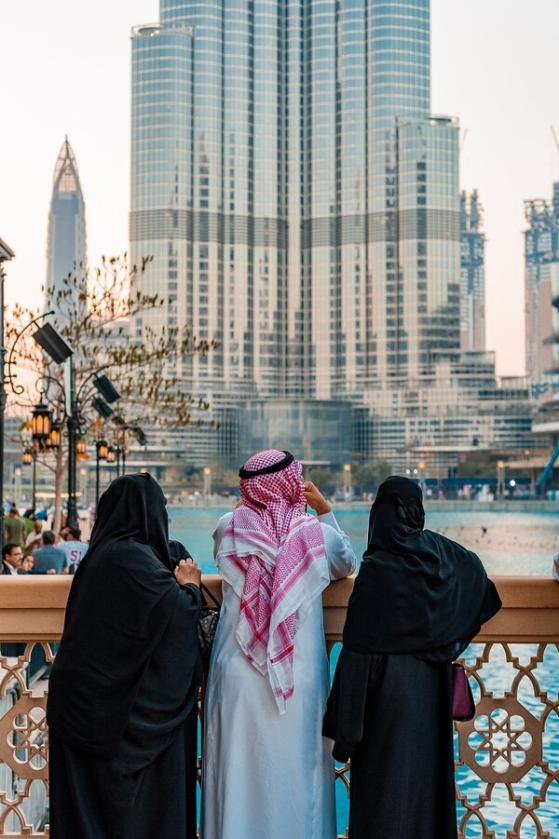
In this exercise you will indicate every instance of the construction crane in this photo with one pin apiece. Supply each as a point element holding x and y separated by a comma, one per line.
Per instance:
<point>555,137</point>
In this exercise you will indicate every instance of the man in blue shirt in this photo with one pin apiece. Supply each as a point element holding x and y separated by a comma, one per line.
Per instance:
<point>73,548</point>
<point>48,559</point>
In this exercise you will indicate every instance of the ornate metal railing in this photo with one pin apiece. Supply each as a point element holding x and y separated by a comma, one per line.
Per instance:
<point>507,758</point>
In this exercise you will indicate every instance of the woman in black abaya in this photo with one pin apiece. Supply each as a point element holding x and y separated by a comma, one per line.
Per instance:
<point>124,684</point>
<point>418,601</point>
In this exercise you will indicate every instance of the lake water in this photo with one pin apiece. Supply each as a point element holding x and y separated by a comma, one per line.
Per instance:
<point>513,543</point>
<point>508,543</point>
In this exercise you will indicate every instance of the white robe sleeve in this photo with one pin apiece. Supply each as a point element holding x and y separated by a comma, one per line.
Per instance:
<point>218,532</point>
<point>340,555</point>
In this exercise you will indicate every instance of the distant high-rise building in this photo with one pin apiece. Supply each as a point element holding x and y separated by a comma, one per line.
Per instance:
<point>472,300</point>
<point>541,255</point>
<point>413,199</point>
<point>301,203</point>
<point>66,248</point>
<point>295,192</point>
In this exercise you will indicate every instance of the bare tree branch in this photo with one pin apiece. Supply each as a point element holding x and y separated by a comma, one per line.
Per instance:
<point>93,314</point>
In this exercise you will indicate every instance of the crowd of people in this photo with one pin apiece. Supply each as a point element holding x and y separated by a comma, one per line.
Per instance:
<point>124,687</point>
<point>30,548</point>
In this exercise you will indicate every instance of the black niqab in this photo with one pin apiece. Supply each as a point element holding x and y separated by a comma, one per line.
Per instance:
<point>177,551</point>
<point>418,600</point>
<point>133,508</point>
<point>417,591</point>
<point>126,674</point>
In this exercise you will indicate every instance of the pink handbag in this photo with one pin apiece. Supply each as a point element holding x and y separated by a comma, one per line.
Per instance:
<point>463,705</point>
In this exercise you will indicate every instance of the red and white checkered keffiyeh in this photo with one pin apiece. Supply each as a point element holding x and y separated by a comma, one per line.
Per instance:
<point>270,554</point>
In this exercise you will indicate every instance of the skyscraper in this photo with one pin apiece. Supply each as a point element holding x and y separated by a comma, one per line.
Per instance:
<point>285,161</point>
<point>541,255</point>
<point>301,202</point>
<point>413,202</point>
<point>66,246</point>
<point>472,303</point>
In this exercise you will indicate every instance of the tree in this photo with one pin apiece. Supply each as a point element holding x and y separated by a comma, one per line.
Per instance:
<point>368,476</point>
<point>364,476</point>
<point>325,478</point>
<point>93,313</point>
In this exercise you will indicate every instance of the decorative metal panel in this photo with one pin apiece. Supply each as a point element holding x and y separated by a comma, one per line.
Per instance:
<point>507,758</point>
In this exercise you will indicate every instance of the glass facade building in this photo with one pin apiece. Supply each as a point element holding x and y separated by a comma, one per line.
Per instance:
<point>321,432</point>
<point>302,206</point>
<point>295,192</point>
<point>541,255</point>
<point>66,244</point>
<point>462,408</point>
<point>472,315</point>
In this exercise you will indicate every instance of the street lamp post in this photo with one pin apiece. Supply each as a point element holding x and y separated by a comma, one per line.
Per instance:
<point>207,481</point>
<point>59,351</point>
<point>83,487</point>
<point>62,353</point>
<point>41,433</point>
<point>500,478</point>
<point>29,458</point>
<point>72,425</point>
<point>348,488</point>
<point>421,469</point>
<point>123,442</point>
<point>17,484</point>
<point>6,253</point>
<point>101,450</point>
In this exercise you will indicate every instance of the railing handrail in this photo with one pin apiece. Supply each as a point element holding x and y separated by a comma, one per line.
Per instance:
<point>32,608</point>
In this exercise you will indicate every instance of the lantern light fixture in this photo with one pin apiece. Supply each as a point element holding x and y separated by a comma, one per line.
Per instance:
<point>102,449</point>
<point>55,437</point>
<point>41,423</point>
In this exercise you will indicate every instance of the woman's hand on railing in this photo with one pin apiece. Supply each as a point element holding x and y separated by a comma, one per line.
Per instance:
<point>315,499</point>
<point>187,572</point>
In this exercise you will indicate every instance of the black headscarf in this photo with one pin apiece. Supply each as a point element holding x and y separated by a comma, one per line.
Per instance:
<point>134,508</point>
<point>416,591</point>
<point>125,676</point>
<point>177,551</point>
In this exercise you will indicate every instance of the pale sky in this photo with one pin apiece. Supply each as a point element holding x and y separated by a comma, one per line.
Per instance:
<point>65,67</point>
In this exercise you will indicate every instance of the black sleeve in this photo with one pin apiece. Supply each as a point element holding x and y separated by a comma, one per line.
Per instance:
<point>194,593</point>
<point>356,675</point>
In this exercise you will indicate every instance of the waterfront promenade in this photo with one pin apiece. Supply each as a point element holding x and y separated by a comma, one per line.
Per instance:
<point>507,758</point>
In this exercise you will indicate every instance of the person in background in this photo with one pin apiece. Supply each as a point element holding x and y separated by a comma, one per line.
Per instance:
<point>15,530</point>
<point>34,538</point>
<point>417,602</point>
<point>27,564</point>
<point>267,770</point>
<point>61,536</point>
<point>12,556</point>
<point>47,559</point>
<point>177,551</point>
<point>28,518</point>
<point>73,548</point>
<point>555,569</point>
